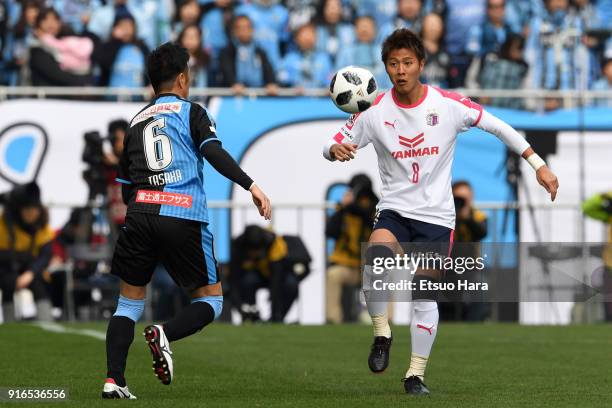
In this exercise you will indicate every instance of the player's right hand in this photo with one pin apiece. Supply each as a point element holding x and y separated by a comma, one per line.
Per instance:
<point>343,152</point>
<point>261,201</point>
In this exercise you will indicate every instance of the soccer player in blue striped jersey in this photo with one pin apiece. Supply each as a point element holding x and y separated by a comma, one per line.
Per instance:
<point>162,173</point>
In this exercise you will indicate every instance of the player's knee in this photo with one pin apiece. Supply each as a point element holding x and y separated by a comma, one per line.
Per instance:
<point>216,302</point>
<point>376,253</point>
<point>424,289</point>
<point>130,308</point>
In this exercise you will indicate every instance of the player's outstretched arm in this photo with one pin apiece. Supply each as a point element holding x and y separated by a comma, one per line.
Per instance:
<point>546,178</point>
<point>225,164</point>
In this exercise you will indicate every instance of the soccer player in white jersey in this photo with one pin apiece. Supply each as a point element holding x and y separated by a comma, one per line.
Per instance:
<point>413,128</point>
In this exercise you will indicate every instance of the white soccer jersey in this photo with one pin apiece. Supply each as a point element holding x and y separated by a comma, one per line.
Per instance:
<point>415,146</point>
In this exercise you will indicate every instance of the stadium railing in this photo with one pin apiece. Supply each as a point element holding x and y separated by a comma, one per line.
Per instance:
<point>48,92</point>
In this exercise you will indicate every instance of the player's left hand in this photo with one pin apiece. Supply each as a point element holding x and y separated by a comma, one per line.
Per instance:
<point>262,202</point>
<point>548,180</point>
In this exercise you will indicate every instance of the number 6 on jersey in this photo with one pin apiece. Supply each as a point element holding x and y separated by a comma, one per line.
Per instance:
<point>157,145</point>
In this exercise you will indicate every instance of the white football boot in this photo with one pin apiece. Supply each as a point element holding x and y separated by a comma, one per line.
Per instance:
<point>113,391</point>
<point>160,350</point>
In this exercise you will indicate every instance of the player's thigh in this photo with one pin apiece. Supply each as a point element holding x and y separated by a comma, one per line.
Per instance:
<point>187,253</point>
<point>432,239</point>
<point>390,227</point>
<point>135,253</point>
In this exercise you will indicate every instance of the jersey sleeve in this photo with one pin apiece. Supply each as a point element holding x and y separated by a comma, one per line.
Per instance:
<point>202,126</point>
<point>467,113</point>
<point>355,131</point>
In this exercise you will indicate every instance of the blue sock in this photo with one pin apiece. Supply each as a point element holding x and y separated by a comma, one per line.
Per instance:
<point>130,308</point>
<point>216,302</point>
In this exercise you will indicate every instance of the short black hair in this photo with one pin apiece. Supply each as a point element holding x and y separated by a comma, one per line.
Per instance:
<point>165,63</point>
<point>403,38</point>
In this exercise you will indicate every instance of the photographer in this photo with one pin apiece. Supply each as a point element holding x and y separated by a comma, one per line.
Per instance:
<point>349,226</point>
<point>263,259</point>
<point>103,169</point>
<point>470,227</point>
<point>599,207</point>
<point>25,248</point>
<point>117,130</point>
<point>471,224</point>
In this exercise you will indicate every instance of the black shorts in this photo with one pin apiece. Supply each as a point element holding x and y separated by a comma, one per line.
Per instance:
<point>408,230</point>
<point>184,247</point>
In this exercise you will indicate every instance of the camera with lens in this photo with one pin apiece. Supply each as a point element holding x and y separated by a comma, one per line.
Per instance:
<point>459,203</point>
<point>93,155</point>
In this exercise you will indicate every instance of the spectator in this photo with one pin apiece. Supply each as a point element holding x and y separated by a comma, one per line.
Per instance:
<point>4,26</point>
<point>604,84</point>
<point>270,20</point>
<point>604,9</point>
<point>552,50</point>
<point>199,60</point>
<point>302,12</point>
<point>435,72</point>
<point>461,15</point>
<point>306,67</point>
<point>470,228</point>
<point>188,13</point>
<point>520,14</point>
<point>54,62</point>
<point>76,13</point>
<point>103,18</point>
<point>599,207</point>
<point>215,26</point>
<point>122,59</point>
<point>365,52</point>
<point>409,15</point>
<point>25,248</point>
<point>589,21</point>
<point>349,226</point>
<point>332,34</point>
<point>243,64</point>
<point>261,258</point>
<point>506,70</point>
<point>382,11</point>
<point>488,37</point>
<point>16,46</point>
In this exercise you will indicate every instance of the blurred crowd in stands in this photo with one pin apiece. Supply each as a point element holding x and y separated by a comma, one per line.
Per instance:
<point>489,44</point>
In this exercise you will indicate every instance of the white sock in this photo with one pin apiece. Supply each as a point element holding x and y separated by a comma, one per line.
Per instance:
<point>417,366</point>
<point>380,322</point>
<point>423,330</point>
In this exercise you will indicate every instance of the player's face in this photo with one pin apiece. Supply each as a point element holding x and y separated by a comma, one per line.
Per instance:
<point>404,69</point>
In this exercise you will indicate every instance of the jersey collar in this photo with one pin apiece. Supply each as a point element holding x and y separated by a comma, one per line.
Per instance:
<point>414,105</point>
<point>161,95</point>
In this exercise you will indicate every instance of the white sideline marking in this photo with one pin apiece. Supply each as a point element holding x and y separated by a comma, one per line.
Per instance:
<point>58,328</point>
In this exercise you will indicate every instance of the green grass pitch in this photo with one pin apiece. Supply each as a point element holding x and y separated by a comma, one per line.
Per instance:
<point>490,365</point>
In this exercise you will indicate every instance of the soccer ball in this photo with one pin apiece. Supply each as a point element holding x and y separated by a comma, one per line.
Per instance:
<point>353,89</point>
